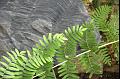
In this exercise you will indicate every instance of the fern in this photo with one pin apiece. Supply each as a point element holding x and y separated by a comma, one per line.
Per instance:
<point>100,17</point>
<point>14,65</point>
<point>39,61</point>
<point>108,26</point>
<point>90,62</point>
<point>104,57</point>
<point>45,71</point>
<point>88,41</point>
<point>21,67</point>
<point>68,71</point>
<point>68,52</point>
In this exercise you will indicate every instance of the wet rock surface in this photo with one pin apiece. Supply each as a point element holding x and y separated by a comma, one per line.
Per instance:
<point>23,22</point>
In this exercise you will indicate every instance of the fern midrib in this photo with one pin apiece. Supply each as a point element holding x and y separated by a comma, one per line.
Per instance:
<point>89,61</point>
<point>86,41</point>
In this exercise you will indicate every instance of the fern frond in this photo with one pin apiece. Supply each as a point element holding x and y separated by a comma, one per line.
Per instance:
<point>75,33</point>
<point>108,29</point>
<point>113,27</point>
<point>68,52</point>
<point>18,66</point>
<point>88,40</point>
<point>44,53</point>
<point>100,16</point>
<point>67,71</point>
<point>45,71</point>
<point>14,65</point>
<point>90,61</point>
<point>104,56</point>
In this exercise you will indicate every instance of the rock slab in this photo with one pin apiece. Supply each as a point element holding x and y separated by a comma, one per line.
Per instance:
<point>23,22</point>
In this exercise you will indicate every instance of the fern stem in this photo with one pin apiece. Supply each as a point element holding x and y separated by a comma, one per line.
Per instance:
<point>54,73</point>
<point>67,60</point>
<point>36,76</point>
<point>82,53</point>
<point>86,52</point>
<point>108,44</point>
<point>59,64</point>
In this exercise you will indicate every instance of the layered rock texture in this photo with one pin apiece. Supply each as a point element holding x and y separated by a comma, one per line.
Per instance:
<point>23,22</point>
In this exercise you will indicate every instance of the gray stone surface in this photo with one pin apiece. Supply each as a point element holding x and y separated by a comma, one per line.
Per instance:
<point>23,22</point>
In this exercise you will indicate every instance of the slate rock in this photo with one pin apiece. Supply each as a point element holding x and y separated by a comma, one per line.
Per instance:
<point>24,22</point>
